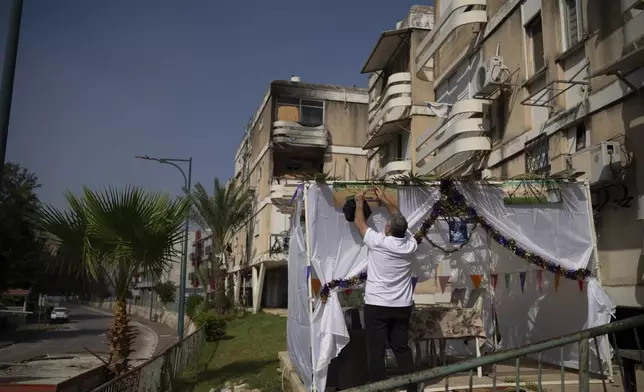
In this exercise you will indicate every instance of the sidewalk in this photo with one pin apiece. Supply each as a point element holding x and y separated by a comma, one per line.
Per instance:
<point>166,335</point>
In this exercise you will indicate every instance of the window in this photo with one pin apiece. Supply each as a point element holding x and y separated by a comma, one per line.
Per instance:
<point>572,22</point>
<point>534,31</point>
<point>307,112</point>
<point>580,137</point>
<point>256,227</point>
<point>536,155</point>
<point>312,113</point>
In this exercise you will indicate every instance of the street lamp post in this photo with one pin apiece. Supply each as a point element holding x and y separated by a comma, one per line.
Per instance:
<point>184,262</point>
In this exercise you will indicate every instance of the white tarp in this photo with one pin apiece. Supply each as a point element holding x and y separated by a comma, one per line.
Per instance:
<point>559,233</point>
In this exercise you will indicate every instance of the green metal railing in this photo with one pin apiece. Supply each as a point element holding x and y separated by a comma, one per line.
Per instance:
<point>158,373</point>
<point>582,338</point>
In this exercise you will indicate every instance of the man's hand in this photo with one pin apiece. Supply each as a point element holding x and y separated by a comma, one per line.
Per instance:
<point>384,200</point>
<point>381,195</point>
<point>360,200</point>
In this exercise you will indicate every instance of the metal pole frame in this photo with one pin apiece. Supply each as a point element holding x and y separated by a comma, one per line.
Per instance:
<point>184,261</point>
<point>593,233</point>
<point>8,75</point>
<point>309,277</point>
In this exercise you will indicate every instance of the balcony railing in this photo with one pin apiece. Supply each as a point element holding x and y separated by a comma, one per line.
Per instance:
<point>394,168</point>
<point>279,244</point>
<point>633,11</point>
<point>292,133</point>
<point>456,140</point>
<point>394,103</point>
<point>282,190</point>
<point>458,13</point>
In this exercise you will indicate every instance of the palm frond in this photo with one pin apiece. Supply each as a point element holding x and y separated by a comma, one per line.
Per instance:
<point>222,212</point>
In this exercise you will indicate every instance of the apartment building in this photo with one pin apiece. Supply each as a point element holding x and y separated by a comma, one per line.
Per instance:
<point>144,285</point>
<point>299,130</point>
<point>548,87</point>
<point>398,114</point>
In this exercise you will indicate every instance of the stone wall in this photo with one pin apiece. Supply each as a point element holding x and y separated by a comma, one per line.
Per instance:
<point>163,316</point>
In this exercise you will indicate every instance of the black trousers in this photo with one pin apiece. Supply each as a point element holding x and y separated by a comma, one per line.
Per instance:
<point>387,326</point>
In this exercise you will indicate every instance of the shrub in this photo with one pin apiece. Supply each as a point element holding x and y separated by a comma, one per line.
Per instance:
<point>214,325</point>
<point>191,305</point>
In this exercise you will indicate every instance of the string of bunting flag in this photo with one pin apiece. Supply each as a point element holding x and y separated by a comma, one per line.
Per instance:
<point>494,280</point>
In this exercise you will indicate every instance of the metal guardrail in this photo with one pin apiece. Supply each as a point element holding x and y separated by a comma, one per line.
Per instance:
<point>582,338</point>
<point>158,373</point>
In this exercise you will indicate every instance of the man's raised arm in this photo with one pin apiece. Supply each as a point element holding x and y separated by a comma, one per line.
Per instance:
<point>393,210</point>
<point>359,220</point>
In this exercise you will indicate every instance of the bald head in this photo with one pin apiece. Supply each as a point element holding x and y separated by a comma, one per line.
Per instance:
<point>397,226</point>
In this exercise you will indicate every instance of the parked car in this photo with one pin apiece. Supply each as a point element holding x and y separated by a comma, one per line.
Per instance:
<point>59,315</point>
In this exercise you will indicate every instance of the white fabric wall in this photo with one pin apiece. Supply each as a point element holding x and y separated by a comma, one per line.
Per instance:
<point>556,233</point>
<point>298,326</point>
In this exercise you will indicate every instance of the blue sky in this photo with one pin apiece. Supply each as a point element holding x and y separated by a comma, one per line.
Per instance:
<point>98,82</point>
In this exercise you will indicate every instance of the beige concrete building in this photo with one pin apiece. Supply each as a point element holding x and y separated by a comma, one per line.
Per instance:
<point>545,87</point>
<point>398,91</point>
<point>299,129</point>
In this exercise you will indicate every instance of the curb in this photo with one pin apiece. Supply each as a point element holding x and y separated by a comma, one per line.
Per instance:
<point>9,344</point>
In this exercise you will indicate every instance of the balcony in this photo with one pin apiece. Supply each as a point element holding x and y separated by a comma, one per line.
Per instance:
<point>282,191</point>
<point>394,168</point>
<point>458,13</point>
<point>633,33</point>
<point>392,106</point>
<point>456,140</point>
<point>294,134</point>
<point>634,17</point>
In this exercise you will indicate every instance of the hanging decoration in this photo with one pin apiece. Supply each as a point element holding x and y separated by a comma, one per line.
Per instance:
<point>476,280</point>
<point>522,279</point>
<point>495,280</point>
<point>344,284</point>
<point>443,280</point>
<point>581,285</point>
<point>508,277</point>
<point>557,278</point>
<point>540,280</point>
<point>452,204</point>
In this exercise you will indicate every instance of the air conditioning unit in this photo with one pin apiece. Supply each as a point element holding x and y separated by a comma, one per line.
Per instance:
<point>601,162</point>
<point>491,75</point>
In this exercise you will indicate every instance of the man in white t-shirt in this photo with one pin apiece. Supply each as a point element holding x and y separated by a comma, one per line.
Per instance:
<point>388,291</point>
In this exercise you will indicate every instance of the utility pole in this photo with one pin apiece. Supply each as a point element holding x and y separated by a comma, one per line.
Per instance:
<point>8,73</point>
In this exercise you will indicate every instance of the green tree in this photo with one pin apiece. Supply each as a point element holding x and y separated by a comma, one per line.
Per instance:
<point>167,291</point>
<point>223,212</point>
<point>20,249</point>
<point>115,234</point>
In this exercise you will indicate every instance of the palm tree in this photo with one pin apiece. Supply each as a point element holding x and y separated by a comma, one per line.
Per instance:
<point>223,213</point>
<point>116,234</point>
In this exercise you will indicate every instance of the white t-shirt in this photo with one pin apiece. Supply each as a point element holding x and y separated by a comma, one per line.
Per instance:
<point>389,269</point>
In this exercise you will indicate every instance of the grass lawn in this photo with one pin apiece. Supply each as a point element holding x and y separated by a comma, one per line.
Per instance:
<point>250,353</point>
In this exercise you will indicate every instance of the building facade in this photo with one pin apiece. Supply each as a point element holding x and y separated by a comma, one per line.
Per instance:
<point>301,130</point>
<point>550,88</point>
<point>144,285</point>
<point>398,114</point>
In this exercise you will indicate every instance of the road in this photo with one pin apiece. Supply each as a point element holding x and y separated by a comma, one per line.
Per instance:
<point>86,328</point>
